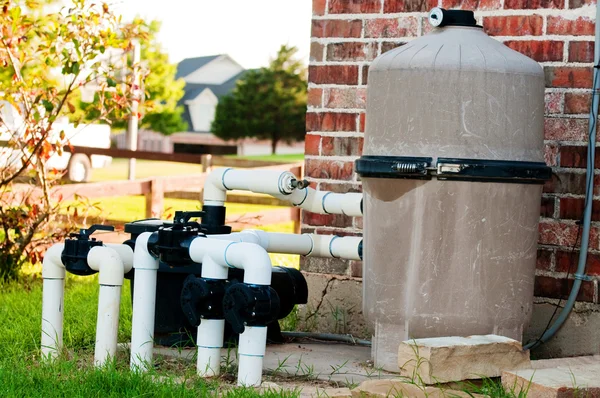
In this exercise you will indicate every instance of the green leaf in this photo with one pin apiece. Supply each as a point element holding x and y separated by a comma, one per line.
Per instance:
<point>49,106</point>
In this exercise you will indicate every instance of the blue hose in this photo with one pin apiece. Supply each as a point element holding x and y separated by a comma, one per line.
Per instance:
<point>589,192</point>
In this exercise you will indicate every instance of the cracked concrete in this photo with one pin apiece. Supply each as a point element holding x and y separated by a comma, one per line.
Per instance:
<point>334,305</point>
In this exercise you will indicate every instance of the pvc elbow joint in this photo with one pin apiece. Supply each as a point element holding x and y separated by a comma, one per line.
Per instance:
<point>109,264</point>
<point>214,189</point>
<point>52,266</point>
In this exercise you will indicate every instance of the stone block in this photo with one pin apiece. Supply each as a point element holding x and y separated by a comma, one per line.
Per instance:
<point>446,359</point>
<point>386,388</point>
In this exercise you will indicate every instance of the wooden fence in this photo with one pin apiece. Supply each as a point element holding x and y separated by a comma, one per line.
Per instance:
<point>189,186</point>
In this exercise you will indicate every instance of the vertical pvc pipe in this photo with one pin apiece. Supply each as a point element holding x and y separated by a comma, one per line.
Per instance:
<point>144,301</point>
<point>251,350</point>
<point>52,317</point>
<point>53,273</point>
<point>107,325</point>
<point>210,342</point>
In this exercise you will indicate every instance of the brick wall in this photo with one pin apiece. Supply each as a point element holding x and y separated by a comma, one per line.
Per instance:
<point>348,34</point>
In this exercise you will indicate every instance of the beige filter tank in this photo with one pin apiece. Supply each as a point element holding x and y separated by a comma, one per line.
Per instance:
<point>452,172</point>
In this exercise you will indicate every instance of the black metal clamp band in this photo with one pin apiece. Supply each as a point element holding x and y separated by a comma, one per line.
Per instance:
<point>479,170</point>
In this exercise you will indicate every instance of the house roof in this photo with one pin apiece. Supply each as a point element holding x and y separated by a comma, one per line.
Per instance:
<point>192,90</point>
<point>190,65</point>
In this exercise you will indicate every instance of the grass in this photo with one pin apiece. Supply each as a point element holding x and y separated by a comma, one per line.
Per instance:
<point>148,168</point>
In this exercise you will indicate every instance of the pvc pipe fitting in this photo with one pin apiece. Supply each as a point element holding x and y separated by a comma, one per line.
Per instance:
<point>108,263</point>
<point>218,255</point>
<point>53,273</point>
<point>209,343</point>
<point>271,182</point>
<point>323,202</point>
<point>251,352</point>
<point>144,301</point>
<point>107,324</point>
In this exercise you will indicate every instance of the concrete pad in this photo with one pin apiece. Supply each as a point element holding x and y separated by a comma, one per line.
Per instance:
<point>330,362</point>
<point>565,362</point>
<point>398,388</point>
<point>559,382</point>
<point>445,359</point>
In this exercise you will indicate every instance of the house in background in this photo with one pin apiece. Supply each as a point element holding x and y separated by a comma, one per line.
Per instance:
<point>206,80</point>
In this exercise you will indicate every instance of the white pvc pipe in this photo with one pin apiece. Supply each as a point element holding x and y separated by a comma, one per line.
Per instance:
<point>271,182</point>
<point>107,324</point>
<point>210,342</point>
<point>279,184</point>
<point>108,261</point>
<point>311,245</point>
<point>144,301</point>
<point>251,351</point>
<point>53,273</point>
<point>323,202</point>
<point>216,256</point>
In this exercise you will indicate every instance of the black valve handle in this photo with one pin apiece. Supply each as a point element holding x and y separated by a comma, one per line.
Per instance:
<point>183,217</point>
<point>84,234</point>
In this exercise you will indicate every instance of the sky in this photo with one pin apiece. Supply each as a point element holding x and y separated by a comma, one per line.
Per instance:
<point>250,31</point>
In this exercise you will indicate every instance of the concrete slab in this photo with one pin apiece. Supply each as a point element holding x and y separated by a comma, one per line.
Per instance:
<point>557,382</point>
<point>329,362</point>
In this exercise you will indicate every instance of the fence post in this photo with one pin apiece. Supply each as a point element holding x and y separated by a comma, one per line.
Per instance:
<point>206,163</point>
<point>155,199</point>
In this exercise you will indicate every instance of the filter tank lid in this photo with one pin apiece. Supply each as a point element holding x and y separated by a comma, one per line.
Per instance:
<point>440,17</point>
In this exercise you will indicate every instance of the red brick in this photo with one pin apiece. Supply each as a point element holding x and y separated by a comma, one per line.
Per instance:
<point>314,97</point>
<point>572,209</point>
<point>551,154</point>
<point>311,144</point>
<point>544,260</point>
<point>316,52</point>
<point>557,233</point>
<point>365,74</point>
<point>391,27</point>
<point>390,6</point>
<point>426,27</point>
<point>362,122</point>
<point>390,45</point>
<point>541,51</point>
<point>341,146</point>
<point>333,74</point>
<point>567,262</point>
<point>566,182</point>
<point>565,129</point>
<point>580,3</point>
<point>553,103</point>
<point>346,98</point>
<point>576,156</point>
<point>328,220</point>
<point>340,188</point>
<point>472,4</point>
<point>319,7</point>
<point>352,51</point>
<point>330,121</point>
<point>547,209</point>
<point>581,26</point>
<point>336,28</point>
<point>514,25</point>
<point>581,51</point>
<point>329,169</point>
<point>570,77</point>
<point>533,4</point>
<point>559,288</point>
<point>578,103</point>
<point>354,6</point>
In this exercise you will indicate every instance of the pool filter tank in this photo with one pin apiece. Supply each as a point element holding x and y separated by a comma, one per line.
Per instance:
<point>452,174</point>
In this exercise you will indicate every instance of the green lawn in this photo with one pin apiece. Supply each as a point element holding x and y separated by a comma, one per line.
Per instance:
<point>148,168</point>
<point>144,169</point>
<point>22,374</point>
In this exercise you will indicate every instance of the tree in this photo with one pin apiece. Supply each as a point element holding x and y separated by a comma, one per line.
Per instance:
<point>162,90</point>
<point>47,57</point>
<point>267,103</point>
